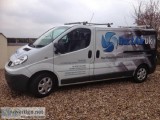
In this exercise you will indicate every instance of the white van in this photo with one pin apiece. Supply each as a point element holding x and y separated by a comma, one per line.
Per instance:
<point>81,53</point>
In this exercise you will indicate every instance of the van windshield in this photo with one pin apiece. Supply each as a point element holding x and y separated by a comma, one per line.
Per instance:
<point>48,37</point>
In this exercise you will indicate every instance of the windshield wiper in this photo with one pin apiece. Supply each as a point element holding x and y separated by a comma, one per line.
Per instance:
<point>39,46</point>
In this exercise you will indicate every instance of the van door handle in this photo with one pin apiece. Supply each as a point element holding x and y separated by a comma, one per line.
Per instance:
<point>97,54</point>
<point>89,54</point>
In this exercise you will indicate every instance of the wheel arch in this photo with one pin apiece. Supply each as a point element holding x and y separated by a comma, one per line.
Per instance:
<point>145,65</point>
<point>40,72</point>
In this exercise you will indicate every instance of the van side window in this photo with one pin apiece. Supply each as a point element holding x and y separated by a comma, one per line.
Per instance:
<point>76,40</point>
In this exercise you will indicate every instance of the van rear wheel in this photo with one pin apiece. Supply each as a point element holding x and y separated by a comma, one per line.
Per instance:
<point>42,85</point>
<point>140,74</point>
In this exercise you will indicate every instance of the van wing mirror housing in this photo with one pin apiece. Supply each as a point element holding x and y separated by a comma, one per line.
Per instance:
<point>59,48</point>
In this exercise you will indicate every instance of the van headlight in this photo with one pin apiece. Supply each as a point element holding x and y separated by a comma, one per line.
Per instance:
<point>19,61</point>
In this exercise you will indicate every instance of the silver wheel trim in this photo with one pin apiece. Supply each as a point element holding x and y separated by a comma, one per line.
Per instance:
<point>141,74</point>
<point>45,85</point>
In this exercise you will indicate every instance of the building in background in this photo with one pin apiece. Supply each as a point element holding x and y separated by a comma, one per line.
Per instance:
<point>9,45</point>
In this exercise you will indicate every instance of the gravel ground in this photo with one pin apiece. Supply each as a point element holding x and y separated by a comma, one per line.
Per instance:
<point>111,100</point>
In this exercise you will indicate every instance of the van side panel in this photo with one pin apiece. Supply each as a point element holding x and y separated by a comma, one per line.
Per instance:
<point>122,51</point>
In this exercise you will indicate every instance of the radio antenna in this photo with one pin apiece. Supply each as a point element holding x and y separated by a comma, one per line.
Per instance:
<point>92,17</point>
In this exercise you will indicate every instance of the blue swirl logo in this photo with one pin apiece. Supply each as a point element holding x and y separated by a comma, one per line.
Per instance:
<point>109,41</point>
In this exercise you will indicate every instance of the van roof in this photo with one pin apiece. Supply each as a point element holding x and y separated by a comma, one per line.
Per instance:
<point>104,27</point>
<point>108,26</point>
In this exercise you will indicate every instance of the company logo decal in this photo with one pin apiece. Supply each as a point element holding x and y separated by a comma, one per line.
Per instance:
<point>110,41</point>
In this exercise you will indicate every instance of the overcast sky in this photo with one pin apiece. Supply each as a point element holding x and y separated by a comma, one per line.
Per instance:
<point>30,18</point>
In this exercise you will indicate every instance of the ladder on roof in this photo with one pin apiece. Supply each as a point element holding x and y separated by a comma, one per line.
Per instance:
<point>86,23</point>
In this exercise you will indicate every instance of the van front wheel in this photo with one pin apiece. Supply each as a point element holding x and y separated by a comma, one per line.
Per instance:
<point>42,85</point>
<point>140,74</point>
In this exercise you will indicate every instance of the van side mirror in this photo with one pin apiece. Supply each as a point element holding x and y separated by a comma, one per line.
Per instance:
<point>59,48</point>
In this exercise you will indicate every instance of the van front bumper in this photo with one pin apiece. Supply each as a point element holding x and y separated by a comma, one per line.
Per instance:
<point>17,82</point>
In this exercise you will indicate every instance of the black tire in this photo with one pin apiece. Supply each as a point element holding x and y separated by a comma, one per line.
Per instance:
<point>42,85</point>
<point>141,74</point>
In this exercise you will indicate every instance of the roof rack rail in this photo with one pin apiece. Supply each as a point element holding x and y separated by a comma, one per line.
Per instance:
<point>140,26</point>
<point>108,24</point>
<point>86,23</point>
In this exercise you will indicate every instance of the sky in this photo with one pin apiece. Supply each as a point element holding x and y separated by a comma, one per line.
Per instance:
<point>31,18</point>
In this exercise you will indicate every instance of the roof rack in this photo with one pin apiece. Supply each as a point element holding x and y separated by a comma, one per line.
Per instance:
<point>108,24</point>
<point>86,23</point>
<point>136,27</point>
<point>83,23</point>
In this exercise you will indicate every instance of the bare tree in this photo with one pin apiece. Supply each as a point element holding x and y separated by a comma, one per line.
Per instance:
<point>148,14</point>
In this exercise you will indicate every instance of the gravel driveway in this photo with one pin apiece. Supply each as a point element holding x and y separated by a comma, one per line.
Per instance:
<point>111,100</point>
